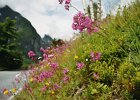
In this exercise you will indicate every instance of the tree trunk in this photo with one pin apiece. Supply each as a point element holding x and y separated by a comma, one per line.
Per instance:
<point>85,7</point>
<point>99,10</point>
<point>91,9</point>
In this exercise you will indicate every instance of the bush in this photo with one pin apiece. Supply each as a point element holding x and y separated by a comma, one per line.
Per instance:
<point>10,60</point>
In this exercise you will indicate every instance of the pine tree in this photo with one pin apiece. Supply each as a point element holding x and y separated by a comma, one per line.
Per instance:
<point>10,58</point>
<point>7,34</point>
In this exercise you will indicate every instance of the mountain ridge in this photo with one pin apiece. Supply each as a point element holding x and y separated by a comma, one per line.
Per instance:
<point>28,38</point>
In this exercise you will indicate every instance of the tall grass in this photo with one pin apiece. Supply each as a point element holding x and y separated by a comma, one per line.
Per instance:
<point>118,70</point>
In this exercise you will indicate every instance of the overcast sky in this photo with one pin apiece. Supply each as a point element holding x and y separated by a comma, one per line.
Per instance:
<point>48,17</point>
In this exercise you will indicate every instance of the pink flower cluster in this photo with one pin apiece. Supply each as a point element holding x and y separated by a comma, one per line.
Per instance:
<point>81,22</point>
<point>66,79</point>
<point>31,54</point>
<point>80,65</point>
<point>42,76</point>
<point>45,75</point>
<point>67,3</point>
<point>42,49</point>
<point>95,56</point>
<point>47,71</point>
<point>65,72</point>
<point>54,65</point>
<point>95,29</point>
<point>52,52</point>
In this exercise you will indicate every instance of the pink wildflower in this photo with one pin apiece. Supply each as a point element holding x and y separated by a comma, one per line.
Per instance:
<point>74,26</point>
<point>31,54</point>
<point>67,1</point>
<point>46,51</point>
<point>54,65</point>
<point>44,75</point>
<point>95,56</point>
<point>42,49</point>
<point>81,22</point>
<point>96,29</point>
<point>43,89</point>
<point>65,79</point>
<point>45,56</point>
<point>65,71</point>
<point>80,65</point>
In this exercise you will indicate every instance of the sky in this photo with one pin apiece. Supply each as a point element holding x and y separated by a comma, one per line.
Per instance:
<point>51,18</point>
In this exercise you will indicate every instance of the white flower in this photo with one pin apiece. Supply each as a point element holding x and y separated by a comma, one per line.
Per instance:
<point>86,59</point>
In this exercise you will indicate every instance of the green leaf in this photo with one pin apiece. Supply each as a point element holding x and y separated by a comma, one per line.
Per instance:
<point>94,91</point>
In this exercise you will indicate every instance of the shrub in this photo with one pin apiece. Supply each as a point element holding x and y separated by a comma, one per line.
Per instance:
<point>10,60</point>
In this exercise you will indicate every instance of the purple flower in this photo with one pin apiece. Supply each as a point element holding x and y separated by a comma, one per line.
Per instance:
<point>43,89</point>
<point>31,54</point>
<point>45,56</point>
<point>92,54</point>
<point>44,75</point>
<point>95,56</point>
<point>96,29</point>
<point>65,79</point>
<point>80,65</point>
<point>89,30</point>
<point>74,26</point>
<point>67,1</point>
<point>65,71</point>
<point>81,22</point>
<point>56,87</point>
<point>42,49</point>
<point>54,65</point>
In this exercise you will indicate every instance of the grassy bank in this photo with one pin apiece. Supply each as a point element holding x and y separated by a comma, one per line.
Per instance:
<point>114,75</point>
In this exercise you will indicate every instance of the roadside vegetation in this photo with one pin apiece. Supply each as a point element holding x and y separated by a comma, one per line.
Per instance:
<point>104,65</point>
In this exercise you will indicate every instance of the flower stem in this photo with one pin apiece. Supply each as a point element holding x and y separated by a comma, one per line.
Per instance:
<point>74,7</point>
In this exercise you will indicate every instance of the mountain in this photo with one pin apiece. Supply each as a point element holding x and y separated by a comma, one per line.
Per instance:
<point>47,40</point>
<point>27,39</point>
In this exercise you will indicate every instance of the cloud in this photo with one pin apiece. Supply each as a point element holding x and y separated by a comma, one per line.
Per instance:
<point>49,17</point>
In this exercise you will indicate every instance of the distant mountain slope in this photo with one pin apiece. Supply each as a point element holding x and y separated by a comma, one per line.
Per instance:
<point>28,39</point>
<point>47,40</point>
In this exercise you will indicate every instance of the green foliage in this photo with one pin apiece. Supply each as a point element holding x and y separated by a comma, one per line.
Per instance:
<point>119,67</point>
<point>7,33</point>
<point>9,58</point>
<point>119,42</point>
<point>26,63</point>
